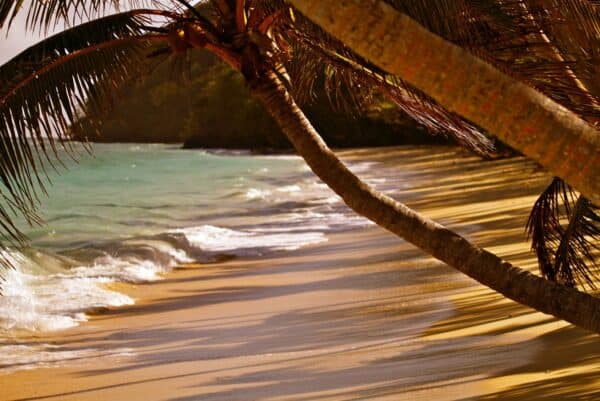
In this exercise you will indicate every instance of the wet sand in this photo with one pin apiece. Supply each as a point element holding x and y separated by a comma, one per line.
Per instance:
<point>362,316</point>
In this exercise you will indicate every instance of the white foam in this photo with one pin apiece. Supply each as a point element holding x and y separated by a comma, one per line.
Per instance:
<point>289,188</point>
<point>175,256</point>
<point>255,193</point>
<point>17,356</point>
<point>51,302</point>
<point>326,220</point>
<point>40,297</point>
<point>35,300</point>
<point>129,270</point>
<point>179,256</point>
<point>247,242</point>
<point>19,307</point>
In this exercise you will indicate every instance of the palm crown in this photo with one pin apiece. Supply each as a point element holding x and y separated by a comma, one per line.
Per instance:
<point>550,46</point>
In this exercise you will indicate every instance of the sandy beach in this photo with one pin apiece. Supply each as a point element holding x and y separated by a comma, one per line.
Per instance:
<point>363,316</point>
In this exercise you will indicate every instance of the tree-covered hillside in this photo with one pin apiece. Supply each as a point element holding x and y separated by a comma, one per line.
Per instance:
<point>214,109</point>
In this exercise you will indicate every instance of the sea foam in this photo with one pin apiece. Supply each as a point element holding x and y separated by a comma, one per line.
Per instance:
<point>48,302</point>
<point>248,242</point>
<point>287,209</point>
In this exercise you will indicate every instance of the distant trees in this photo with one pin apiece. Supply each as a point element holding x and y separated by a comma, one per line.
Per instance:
<point>199,107</point>
<point>198,104</point>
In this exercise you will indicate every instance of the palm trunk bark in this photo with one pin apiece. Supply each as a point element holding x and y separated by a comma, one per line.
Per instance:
<point>517,114</point>
<point>563,302</point>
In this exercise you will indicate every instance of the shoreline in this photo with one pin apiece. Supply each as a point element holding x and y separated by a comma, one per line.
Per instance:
<point>361,316</point>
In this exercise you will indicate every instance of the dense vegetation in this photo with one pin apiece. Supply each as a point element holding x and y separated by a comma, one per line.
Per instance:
<point>209,106</point>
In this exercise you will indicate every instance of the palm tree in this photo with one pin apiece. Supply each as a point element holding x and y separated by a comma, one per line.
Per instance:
<point>42,88</point>
<point>551,46</point>
<point>516,113</point>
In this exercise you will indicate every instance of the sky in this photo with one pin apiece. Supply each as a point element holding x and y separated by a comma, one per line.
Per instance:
<point>16,40</point>
<point>19,39</point>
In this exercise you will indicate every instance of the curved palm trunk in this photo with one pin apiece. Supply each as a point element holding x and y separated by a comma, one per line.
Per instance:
<point>517,114</point>
<point>548,297</point>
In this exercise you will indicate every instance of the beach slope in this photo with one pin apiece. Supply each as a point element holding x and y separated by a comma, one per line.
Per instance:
<point>363,316</point>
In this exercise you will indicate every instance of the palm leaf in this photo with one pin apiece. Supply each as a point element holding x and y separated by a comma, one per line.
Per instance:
<point>553,46</point>
<point>41,92</point>
<point>44,14</point>
<point>548,44</point>
<point>8,11</point>
<point>565,252</point>
<point>544,227</point>
<point>579,19</point>
<point>573,26</point>
<point>575,259</point>
<point>352,81</point>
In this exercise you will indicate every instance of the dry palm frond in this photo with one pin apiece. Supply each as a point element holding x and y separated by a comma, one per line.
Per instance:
<point>351,82</point>
<point>574,259</point>
<point>564,251</point>
<point>553,46</point>
<point>44,14</point>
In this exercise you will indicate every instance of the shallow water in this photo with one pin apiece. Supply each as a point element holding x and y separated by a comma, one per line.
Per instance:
<point>131,212</point>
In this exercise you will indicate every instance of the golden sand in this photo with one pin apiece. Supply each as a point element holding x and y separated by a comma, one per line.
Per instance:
<point>363,316</point>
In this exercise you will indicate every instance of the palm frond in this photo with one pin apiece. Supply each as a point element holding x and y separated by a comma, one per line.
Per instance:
<point>564,250</point>
<point>579,19</point>
<point>550,45</point>
<point>8,11</point>
<point>352,82</point>
<point>575,260</point>
<point>573,26</point>
<point>553,46</point>
<point>544,227</point>
<point>42,91</point>
<point>42,14</point>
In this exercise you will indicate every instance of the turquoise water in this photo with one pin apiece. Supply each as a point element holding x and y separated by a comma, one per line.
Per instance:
<point>128,190</point>
<point>131,212</point>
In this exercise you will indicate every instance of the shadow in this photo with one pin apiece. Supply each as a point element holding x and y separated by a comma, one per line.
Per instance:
<point>361,318</point>
<point>557,383</point>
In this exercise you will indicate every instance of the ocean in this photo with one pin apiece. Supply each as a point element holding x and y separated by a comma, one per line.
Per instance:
<point>130,213</point>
